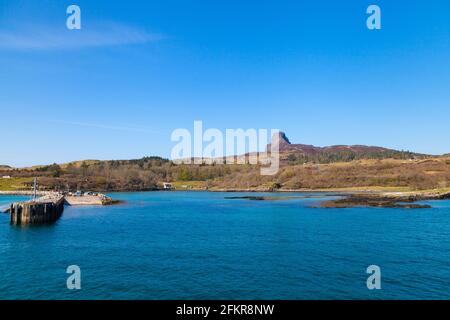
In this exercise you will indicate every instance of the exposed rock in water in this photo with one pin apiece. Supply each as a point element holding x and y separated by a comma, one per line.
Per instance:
<point>259,198</point>
<point>271,198</point>
<point>358,201</point>
<point>111,202</point>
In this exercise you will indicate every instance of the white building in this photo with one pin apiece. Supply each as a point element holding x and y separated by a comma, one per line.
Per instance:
<point>167,186</point>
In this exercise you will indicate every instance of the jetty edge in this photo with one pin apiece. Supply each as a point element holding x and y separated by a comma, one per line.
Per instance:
<point>45,209</point>
<point>49,207</point>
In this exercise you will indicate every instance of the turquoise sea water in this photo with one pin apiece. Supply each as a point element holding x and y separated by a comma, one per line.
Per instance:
<point>198,245</point>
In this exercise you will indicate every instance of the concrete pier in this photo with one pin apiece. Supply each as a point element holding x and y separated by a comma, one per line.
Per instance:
<point>46,209</point>
<point>49,207</point>
<point>89,200</point>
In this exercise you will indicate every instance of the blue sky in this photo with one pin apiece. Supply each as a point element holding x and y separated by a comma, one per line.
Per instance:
<point>140,69</point>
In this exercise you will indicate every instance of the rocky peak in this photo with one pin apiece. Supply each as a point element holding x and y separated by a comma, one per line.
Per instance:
<point>283,138</point>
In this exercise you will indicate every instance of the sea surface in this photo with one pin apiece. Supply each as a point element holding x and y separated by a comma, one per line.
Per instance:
<point>199,245</point>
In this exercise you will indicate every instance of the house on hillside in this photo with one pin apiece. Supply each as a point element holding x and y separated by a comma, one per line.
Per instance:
<point>6,177</point>
<point>167,186</point>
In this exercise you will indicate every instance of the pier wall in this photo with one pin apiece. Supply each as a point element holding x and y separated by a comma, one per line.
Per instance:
<point>36,212</point>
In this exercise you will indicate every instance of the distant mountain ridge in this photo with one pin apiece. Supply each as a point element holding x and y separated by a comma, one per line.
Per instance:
<point>287,146</point>
<point>339,152</point>
<point>293,152</point>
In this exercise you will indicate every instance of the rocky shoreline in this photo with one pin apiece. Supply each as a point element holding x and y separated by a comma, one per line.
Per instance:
<point>24,193</point>
<point>405,200</point>
<point>346,199</point>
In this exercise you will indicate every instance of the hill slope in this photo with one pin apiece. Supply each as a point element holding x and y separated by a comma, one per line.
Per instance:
<point>302,167</point>
<point>303,153</point>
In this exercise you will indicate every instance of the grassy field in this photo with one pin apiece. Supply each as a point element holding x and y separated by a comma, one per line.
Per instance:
<point>14,184</point>
<point>189,185</point>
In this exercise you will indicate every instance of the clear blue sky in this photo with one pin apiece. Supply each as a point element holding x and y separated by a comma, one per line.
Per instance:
<point>140,69</point>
